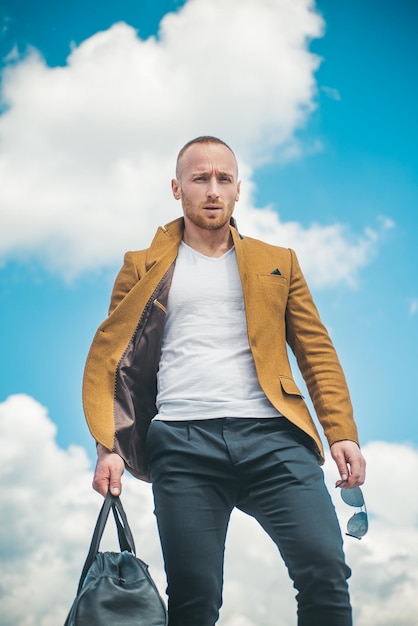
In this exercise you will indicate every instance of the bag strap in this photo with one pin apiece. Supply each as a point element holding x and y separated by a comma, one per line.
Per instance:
<point>126,540</point>
<point>125,537</point>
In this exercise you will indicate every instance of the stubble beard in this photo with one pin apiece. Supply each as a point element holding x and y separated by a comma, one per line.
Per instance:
<point>213,223</point>
<point>207,222</point>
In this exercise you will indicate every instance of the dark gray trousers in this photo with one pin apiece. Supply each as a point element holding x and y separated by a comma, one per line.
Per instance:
<point>201,470</point>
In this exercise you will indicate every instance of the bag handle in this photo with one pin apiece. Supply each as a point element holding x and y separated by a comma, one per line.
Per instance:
<point>125,537</point>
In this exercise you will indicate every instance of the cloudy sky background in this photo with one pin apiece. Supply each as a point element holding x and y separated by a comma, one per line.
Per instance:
<point>319,101</point>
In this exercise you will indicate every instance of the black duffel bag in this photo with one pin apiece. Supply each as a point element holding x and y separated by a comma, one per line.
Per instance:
<point>115,588</point>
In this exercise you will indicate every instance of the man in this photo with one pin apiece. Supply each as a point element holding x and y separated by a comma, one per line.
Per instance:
<point>196,342</point>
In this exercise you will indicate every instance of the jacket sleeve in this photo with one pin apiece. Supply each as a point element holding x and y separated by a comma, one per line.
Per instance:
<point>318,361</point>
<point>128,276</point>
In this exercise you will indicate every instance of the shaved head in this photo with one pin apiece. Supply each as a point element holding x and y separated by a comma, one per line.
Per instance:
<point>204,139</point>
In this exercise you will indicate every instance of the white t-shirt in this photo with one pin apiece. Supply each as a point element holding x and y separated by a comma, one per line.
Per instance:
<point>206,367</point>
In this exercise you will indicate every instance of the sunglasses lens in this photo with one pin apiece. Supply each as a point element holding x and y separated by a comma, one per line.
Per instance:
<point>353,497</point>
<point>358,525</point>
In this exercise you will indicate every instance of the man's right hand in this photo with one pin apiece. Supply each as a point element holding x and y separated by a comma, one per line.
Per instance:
<point>108,472</point>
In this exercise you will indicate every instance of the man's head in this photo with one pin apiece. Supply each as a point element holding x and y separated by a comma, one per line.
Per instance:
<point>203,139</point>
<point>206,182</point>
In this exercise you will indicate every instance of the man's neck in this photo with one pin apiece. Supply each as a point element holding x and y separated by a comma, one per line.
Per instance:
<point>212,243</point>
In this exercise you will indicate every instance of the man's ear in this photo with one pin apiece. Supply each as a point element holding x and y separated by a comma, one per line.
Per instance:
<point>238,191</point>
<point>175,187</point>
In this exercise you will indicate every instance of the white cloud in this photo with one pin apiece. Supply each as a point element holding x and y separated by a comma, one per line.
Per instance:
<point>48,511</point>
<point>87,150</point>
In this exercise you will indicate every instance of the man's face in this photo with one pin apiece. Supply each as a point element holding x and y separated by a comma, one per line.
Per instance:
<point>207,185</point>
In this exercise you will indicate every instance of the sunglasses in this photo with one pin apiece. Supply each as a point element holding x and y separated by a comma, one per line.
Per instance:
<point>357,525</point>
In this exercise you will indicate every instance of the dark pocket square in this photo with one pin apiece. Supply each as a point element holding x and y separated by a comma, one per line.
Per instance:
<point>277,271</point>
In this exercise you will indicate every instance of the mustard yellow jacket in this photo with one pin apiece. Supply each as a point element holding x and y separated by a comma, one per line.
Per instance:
<point>119,387</point>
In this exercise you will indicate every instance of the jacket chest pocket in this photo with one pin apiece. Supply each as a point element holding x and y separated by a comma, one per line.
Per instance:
<point>271,292</point>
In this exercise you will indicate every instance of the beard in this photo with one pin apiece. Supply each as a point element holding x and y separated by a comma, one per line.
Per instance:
<point>207,220</point>
<point>208,223</point>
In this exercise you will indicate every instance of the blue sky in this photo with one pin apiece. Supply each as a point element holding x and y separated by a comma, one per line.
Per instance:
<point>329,164</point>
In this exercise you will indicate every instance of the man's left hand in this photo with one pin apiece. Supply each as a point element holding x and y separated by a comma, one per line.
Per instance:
<point>350,462</point>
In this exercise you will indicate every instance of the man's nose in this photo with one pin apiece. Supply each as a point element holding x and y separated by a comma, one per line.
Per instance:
<point>213,189</point>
